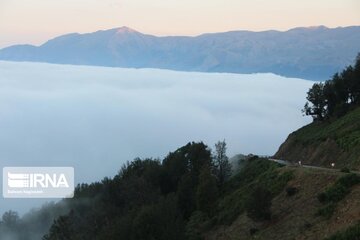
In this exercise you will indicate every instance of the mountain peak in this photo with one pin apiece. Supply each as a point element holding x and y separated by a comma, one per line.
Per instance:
<point>125,29</point>
<point>317,27</point>
<point>312,28</point>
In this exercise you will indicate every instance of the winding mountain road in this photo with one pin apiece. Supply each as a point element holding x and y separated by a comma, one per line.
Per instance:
<point>289,163</point>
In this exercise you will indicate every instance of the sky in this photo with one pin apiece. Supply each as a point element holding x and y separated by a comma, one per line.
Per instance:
<point>35,21</point>
<point>95,118</point>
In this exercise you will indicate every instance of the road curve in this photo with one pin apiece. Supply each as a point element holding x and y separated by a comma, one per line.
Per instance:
<point>289,163</point>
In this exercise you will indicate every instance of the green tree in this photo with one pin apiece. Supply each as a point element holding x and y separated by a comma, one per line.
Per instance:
<point>335,97</point>
<point>188,159</point>
<point>186,196</point>
<point>316,97</point>
<point>355,81</point>
<point>221,162</point>
<point>62,229</point>
<point>330,96</point>
<point>207,191</point>
<point>160,221</point>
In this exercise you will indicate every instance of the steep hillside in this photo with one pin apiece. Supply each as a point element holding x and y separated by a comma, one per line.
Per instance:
<point>322,143</point>
<point>309,53</point>
<point>299,216</point>
<point>182,197</point>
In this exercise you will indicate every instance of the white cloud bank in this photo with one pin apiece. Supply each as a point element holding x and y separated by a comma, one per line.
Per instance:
<point>95,118</point>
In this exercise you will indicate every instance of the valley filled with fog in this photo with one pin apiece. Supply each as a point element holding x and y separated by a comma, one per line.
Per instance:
<point>96,118</point>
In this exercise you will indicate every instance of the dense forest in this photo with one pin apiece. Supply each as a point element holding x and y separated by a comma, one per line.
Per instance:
<point>189,191</point>
<point>336,96</point>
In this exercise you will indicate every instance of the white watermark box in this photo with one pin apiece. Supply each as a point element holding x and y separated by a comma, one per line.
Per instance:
<point>38,182</point>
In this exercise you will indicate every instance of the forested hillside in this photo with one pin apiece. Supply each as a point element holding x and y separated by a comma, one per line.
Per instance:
<point>181,197</point>
<point>334,136</point>
<point>191,195</point>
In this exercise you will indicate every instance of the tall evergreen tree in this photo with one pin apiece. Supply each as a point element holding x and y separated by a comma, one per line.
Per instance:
<point>221,162</point>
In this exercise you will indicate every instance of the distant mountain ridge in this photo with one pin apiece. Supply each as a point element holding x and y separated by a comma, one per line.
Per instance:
<point>310,53</point>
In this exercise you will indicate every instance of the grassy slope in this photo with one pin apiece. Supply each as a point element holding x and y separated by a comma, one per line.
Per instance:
<point>322,143</point>
<point>295,217</point>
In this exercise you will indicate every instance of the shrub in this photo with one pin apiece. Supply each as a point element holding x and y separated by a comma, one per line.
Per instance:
<point>340,189</point>
<point>327,211</point>
<point>290,191</point>
<point>333,194</point>
<point>252,231</point>
<point>349,180</point>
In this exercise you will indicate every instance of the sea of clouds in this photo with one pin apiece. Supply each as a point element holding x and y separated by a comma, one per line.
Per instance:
<point>96,118</point>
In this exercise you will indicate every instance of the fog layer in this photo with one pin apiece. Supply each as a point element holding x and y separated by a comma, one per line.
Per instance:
<point>96,118</point>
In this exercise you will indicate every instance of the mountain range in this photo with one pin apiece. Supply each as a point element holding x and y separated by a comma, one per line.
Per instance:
<point>313,53</point>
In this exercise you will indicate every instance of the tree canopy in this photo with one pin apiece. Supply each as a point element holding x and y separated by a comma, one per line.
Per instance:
<point>336,96</point>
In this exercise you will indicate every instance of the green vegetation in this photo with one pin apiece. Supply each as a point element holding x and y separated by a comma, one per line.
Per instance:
<point>334,135</point>
<point>336,96</point>
<point>351,233</point>
<point>193,191</point>
<point>291,191</point>
<point>345,131</point>
<point>321,143</point>
<point>257,173</point>
<point>332,195</point>
<point>345,170</point>
<point>33,224</point>
<point>206,192</point>
<point>181,197</point>
<point>195,226</point>
<point>178,198</point>
<point>221,161</point>
<point>258,205</point>
<point>340,189</point>
<point>327,211</point>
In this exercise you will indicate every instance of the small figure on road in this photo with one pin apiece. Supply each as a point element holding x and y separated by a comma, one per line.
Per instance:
<point>300,163</point>
<point>332,165</point>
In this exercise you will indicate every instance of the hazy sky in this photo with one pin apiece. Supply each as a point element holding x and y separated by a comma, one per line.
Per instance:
<point>34,21</point>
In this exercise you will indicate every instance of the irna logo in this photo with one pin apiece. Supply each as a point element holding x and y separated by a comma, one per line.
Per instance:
<point>38,182</point>
<point>23,180</point>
